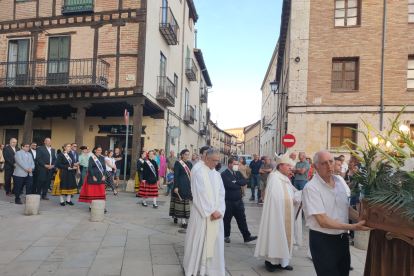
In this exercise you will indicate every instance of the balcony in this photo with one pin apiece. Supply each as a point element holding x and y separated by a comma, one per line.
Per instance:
<point>168,26</point>
<point>77,6</point>
<point>204,96</point>
<point>189,115</point>
<point>166,92</point>
<point>265,121</point>
<point>208,142</point>
<point>191,69</point>
<point>203,128</point>
<point>79,74</point>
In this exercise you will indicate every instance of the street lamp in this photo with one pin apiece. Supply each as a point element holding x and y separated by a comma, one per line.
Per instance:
<point>274,86</point>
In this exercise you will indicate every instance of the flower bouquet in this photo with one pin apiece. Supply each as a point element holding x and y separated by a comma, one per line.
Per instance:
<point>386,178</point>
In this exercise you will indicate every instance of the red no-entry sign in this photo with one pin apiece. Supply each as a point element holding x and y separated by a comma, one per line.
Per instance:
<point>288,140</point>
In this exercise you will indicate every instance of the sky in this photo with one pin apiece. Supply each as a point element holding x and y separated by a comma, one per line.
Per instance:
<point>237,39</point>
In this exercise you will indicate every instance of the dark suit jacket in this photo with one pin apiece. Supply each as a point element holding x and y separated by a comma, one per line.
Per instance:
<point>75,156</point>
<point>233,190</point>
<point>8,155</point>
<point>43,158</point>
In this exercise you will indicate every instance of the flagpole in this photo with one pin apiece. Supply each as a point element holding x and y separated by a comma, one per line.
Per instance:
<point>126,148</point>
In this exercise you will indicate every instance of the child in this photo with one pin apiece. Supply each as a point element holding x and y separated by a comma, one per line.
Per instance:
<point>170,181</point>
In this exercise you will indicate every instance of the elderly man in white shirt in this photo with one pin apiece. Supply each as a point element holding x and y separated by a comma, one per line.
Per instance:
<point>326,208</point>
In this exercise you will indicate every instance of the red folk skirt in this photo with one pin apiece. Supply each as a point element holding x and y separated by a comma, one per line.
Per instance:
<point>91,192</point>
<point>148,190</point>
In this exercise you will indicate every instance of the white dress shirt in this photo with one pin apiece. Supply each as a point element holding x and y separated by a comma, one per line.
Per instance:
<point>320,198</point>
<point>49,149</point>
<point>34,153</point>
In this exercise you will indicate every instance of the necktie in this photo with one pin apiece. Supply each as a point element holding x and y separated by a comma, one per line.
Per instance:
<point>234,173</point>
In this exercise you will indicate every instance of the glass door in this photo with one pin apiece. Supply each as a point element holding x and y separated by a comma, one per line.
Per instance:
<point>58,64</point>
<point>18,62</point>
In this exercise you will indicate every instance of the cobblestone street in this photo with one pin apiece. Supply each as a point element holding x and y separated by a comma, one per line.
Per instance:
<point>132,240</point>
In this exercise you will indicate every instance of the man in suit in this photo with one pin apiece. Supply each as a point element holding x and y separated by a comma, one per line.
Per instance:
<point>73,148</point>
<point>233,180</point>
<point>45,158</point>
<point>8,154</point>
<point>32,151</point>
<point>23,173</point>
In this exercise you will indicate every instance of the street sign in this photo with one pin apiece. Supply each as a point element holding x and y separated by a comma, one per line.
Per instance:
<point>288,140</point>
<point>126,117</point>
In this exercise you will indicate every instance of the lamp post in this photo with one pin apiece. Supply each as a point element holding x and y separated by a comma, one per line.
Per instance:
<point>274,85</point>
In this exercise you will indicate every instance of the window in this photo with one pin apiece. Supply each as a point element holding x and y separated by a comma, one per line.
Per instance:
<point>345,74</point>
<point>39,136</point>
<point>341,132</point>
<point>59,48</point>
<point>411,11</point>
<point>410,73</point>
<point>201,86</point>
<point>162,65</point>
<point>347,13</point>
<point>176,84</point>
<point>10,133</point>
<point>186,103</point>
<point>195,112</point>
<point>73,6</point>
<point>18,58</point>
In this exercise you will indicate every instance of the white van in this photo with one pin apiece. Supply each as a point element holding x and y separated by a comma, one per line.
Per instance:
<point>247,157</point>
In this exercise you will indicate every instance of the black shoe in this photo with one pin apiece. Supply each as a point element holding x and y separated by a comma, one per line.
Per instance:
<point>70,203</point>
<point>62,204</point>
<point>154,206</point>
<point>144,204</point>
<point>286,267</point>
<point>175,220</point>
<point>90,209</point>
<point>227,239</point>
<point>351,268</point>
<point>19,202</point>
<point>105,211</point>
<point>184,225</point>
<point>270,267</point>
<point>251,238</point>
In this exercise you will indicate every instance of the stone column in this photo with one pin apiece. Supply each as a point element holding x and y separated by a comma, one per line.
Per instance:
<point>80,123</point>
<point>136,138</point>
<point>27,127</point>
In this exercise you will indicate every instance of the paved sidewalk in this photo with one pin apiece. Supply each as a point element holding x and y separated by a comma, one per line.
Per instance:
<point>133,240</point>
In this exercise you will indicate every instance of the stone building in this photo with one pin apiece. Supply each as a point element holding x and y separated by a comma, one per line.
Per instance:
<point>238,132</point>
<point>330,70</point>
<point>70,69</point>
<point>252,139</point>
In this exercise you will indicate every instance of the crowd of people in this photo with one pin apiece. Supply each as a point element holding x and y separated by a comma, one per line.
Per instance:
<point>205,201</point>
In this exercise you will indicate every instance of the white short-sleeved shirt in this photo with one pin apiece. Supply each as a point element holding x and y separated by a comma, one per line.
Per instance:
<point>320,198</point>
<point>111,161</point>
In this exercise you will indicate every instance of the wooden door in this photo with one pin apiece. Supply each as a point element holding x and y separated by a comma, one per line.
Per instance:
<point>102,141</point>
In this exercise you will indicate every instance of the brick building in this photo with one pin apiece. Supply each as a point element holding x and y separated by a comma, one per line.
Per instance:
<point>329,70</point>
<point>69,69</point>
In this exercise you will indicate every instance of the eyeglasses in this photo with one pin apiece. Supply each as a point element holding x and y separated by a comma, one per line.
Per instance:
<point>215,161</point>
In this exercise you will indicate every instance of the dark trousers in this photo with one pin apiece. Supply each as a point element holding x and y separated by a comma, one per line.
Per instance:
<point>19,183</point>
<point>7,180</point>
<point>330,253</point>
<point>43,181</point>
<point>255,181</point>
<point>236,209</point>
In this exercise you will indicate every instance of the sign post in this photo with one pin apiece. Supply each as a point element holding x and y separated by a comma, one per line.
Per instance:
<point>288,140</point>
<point>126,118</point>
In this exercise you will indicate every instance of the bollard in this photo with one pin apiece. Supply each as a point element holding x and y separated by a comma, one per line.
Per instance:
<point>32,205</point>
<point>97,210</point>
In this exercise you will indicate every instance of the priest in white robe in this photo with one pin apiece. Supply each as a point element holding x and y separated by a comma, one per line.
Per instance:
<point>204,243</point>
<point>197,165</point>
<point>277,226</point>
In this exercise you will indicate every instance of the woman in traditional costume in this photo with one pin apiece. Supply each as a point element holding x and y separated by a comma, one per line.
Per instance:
<point>180,199</point>
<point>94,184</point>
<point>140,171</point>
<point>149,182</point>
<point>65,181</point>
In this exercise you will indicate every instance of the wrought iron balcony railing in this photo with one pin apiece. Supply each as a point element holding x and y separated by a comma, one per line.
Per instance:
<point>265,121</point>
<point>166,91</point>
<point>204,95</point>
<point>168,26</point>
<point>189,115</point>
<point>77,6</point>
<point>86,74</point>
<point>203,128</point>
<point>191,69</point>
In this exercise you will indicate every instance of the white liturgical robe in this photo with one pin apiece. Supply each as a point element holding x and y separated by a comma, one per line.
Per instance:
<point>276,235</point>
<point>195,249</point>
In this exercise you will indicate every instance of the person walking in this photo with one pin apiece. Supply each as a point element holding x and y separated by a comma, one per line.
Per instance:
<point>301,172</point>
<point>110,168</point>
<point>255,165</point>
<point>140,171</point>
<point>94,184</point>
<point>23,172</point>
<point>9,165</point>
<point>204,244</point>
<point>162,168</point>
<point>245,171</point>
<point>265,169</point>
<point>83,166</point>
<point>181,196</point>
<point>45,158</point>
<point>326,209</point>
<point>233,180</point>
<point>118,163</point>
<point>1,166</point>
<point>149,182</point>
<point>65,181</point>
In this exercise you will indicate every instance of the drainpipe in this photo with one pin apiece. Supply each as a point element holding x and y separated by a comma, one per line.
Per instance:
<point>182,75</point>
<point>384,23</point>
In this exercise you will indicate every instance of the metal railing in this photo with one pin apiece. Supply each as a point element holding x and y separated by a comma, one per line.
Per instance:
<point>168,26</point>
<point>80,6</point>
<point>166,91</point>
<point>191,69</point>
<point>265,121</point>
<point>189,114</point>
<point>203,128</point>
<point>204,95</point>
<point>89,71</point>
